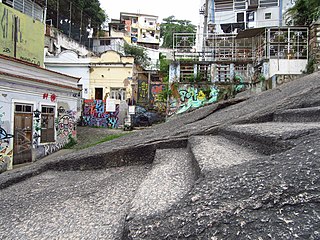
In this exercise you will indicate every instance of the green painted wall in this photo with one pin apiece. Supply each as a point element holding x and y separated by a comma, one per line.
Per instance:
<point>30,36</point>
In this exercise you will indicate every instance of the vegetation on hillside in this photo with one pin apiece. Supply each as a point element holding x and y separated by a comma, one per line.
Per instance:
<point>139,53</point>
<point>303,13</point>
<point>77,14</point>
<point>171,25</point>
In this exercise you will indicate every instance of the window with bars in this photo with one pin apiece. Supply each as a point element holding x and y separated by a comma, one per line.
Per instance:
<point>47,124</point>
<point>118,93</point>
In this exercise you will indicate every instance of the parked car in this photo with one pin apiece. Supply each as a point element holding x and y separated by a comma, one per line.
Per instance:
<point>144,118</point>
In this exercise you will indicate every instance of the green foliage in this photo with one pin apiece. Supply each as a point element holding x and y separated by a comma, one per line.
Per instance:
<point>139,53</point>
<point>105,139</point>
<point>303,13</point>
<point>310,66</point>
<point>70,143</point>
<point>164,67</point>
<point>91,12</point>
<point>172,25</point>
<point>164,94</point>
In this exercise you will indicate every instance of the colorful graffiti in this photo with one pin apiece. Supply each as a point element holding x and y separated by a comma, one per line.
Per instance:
<point>143,89</point>
<point>6,151</point>
<point>36,128</point>
<point>157,103</point>
<point>195,97</point>
<point>94,114</point>
<point>66,125</point>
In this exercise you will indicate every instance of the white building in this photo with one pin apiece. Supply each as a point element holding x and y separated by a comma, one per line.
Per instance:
<point>70,63</point>
<point>38,111</point>
<point>231,16</point>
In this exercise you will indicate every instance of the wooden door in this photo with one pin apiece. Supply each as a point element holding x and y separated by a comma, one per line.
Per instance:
<point>22,138</point>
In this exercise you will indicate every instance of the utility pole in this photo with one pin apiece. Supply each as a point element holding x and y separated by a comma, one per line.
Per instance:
<point>70,18</point>
<point>57,14</point>
<point>80,26</point>
<point>205,29</point>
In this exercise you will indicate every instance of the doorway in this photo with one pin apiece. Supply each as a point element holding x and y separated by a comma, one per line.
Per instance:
<point>98,93</point>
<point>23,119</point>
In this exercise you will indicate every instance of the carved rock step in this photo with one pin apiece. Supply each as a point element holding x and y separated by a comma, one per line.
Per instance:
<point>213,152</point>
<point>270,137</point>
<point>171,177</point>
<point>311,114</point>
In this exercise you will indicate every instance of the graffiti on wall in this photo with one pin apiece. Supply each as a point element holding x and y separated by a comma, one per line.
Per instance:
<point>143,88</point>
<point>281,79</point>
<point>66,125</point>
<point>6,151</point>
<point>51,148</point>
<point>192,97</point>
<point>36,128</point>
<point>94,114</point>
<point>156,102</point>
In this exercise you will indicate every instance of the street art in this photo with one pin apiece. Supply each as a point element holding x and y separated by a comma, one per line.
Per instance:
<point>51,148</point>
<point>281,79</point>
<point>6,151</point>
<point>94,114</point>
<point>194,97</point>
<point>36,128</point>
<point>4,135</point>
<point>142,91</point>
<point>157,103</point>
<point>66,125</point>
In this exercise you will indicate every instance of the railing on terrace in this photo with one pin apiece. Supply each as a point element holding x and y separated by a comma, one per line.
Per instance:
<point>272,43</point>
<point>28,7</point>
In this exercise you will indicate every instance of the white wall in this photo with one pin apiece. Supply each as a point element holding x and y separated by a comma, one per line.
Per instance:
<point>286,67</point>
<point>69,63</point>
<point>260,17</point>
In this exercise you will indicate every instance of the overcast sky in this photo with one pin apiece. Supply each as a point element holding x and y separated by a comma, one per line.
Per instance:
<point>181,9</point>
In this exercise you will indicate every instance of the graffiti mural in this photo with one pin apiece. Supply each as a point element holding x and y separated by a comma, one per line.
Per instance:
<point>281,79</point>
<point>36,128</point>
<point>6,151</point>
<point>94,114</point>
<point>143,91</point>
<point>193,97</point>
<point>66,125</point>
<point>155,101</point>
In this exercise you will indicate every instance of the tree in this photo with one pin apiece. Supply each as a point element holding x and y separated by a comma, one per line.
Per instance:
<point>139,53</point>
<point>172,25</point>
<point>303,13</point>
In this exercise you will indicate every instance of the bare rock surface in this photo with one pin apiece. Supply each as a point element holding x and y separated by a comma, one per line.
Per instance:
<point>266,185</point>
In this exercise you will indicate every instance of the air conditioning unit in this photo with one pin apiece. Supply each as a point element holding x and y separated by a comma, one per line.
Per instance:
<point>253,4</point>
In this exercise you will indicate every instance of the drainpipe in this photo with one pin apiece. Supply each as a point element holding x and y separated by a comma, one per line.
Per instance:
<point>212,11</point>
<point>205,29</point>
<point>280,12</point>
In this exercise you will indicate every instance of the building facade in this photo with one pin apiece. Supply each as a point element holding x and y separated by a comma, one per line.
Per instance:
<point>38,111</point>
<point>21,31</point>
<point>70,63</point>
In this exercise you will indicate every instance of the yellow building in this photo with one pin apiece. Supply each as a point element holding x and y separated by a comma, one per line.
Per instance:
<point>22,31</point>
<point>111,76</point>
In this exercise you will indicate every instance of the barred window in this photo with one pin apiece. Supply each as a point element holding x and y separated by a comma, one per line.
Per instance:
<point>47,124</point>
